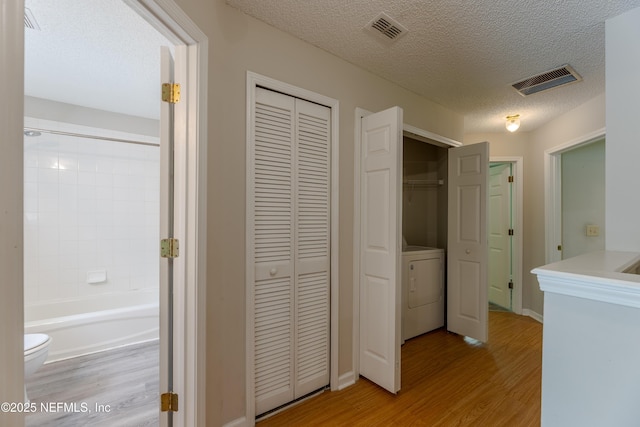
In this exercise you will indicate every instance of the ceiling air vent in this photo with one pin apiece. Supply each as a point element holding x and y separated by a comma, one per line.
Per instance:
<point>30,20</point>
<point>548,80</point>
<point>386,27</point>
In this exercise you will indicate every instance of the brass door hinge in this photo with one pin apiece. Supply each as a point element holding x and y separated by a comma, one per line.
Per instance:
<point>510,178</point>
<point>169,248</point>
<point>169,402</point>
<point>511,232</point>
<point>171,92</point>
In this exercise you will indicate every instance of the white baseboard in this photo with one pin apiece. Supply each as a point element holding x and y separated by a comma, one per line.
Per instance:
<point>533,315</point>
<point>239,422</point>
<point>345,380</point>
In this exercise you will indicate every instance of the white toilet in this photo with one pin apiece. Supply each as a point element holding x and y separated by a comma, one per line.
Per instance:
<point>36,350</point>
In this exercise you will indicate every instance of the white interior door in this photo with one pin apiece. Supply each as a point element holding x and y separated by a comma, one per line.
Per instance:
<point>312,254</point>
<point>289,232</point>
<point>499,238</point>
<point>167,139</point>
<point>380,231</point>
<point>467,248</point>
<point>273,248</point>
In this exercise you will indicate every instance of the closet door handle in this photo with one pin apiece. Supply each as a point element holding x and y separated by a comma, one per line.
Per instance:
<point>273,271</point>
<point>468,251</point>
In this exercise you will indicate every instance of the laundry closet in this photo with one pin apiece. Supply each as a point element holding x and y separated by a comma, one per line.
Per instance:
<point>424,236</point>
<point>421,196</point>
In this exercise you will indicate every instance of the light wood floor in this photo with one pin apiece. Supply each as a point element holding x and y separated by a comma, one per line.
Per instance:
<point>446,381</point>
<point>126,379</point>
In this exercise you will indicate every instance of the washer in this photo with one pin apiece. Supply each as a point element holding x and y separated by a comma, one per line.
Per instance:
<point>422,290</point>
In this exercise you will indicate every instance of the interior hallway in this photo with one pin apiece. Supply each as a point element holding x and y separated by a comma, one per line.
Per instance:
<point>446,381</point>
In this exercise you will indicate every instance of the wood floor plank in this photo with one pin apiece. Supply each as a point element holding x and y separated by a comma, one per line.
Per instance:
<point>446,381</point>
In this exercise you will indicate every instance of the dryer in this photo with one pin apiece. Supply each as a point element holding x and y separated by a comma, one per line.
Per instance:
<point>422,290</point>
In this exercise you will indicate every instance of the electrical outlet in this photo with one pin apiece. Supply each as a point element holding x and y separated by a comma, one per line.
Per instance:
<point>593,230</point>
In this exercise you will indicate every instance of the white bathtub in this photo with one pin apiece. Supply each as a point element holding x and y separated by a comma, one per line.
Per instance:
<point>91,324</point>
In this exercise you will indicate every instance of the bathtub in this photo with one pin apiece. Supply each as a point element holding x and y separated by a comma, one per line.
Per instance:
<point>92,324</point>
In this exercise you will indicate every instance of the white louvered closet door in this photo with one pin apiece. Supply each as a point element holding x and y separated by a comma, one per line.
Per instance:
<point>290,248</point>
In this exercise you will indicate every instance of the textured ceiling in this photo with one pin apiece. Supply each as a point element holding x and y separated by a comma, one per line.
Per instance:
<point>463,55</point>
<point>98,54</point>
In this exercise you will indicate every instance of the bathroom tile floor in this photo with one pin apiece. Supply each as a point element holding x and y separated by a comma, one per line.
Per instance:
<point>112,388</point>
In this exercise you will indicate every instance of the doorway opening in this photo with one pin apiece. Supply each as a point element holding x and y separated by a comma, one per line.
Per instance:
<point>92,204</point>
<point>583,232</point>
<point>583,199</point>
<point>190,155</point>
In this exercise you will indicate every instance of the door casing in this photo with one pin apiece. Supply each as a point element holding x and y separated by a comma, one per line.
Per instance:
<point>190,160</point>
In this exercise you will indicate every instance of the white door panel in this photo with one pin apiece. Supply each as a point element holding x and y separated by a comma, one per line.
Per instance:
<point>380,224</point>
<point>467,292</point>
<point>499,239</point>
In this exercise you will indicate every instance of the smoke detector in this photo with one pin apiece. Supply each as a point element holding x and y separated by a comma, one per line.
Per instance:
<point>386,27</point>
<point>547,80</point>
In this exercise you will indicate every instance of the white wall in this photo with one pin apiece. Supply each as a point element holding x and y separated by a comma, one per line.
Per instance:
<point>623,137</point>
<point>89,205</point>
<point>583,199</point>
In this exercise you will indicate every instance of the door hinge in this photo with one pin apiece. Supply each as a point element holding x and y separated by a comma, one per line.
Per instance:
<point>169,248</point>
<point>169,402</point>
<point>171,92</point>
<point>510,284</point>
<point>510,178</point>
<point>511,232</point>
<point>559,247</point>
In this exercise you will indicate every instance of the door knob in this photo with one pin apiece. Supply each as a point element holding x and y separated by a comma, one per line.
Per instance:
<point>273,271</point>
<point>468,251</point>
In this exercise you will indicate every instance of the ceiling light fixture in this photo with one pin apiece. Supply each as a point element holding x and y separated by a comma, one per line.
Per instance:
<point>513,122</point>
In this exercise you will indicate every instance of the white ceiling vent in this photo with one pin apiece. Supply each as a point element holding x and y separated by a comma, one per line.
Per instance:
<point>30,20</point>
<point>386,27</point>
<point>548,80</point>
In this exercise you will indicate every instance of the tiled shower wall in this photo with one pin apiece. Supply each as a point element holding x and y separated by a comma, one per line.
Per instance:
<point>90,207</point>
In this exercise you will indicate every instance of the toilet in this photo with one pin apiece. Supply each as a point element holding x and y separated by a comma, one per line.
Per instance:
<point>36,349</point>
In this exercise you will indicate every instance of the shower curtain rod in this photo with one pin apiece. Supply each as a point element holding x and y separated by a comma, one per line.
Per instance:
<point>102,138</point>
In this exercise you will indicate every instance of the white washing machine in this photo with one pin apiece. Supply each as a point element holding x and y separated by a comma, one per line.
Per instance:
<point>422,290</point>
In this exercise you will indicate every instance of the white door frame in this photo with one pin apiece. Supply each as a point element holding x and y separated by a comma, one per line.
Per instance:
<point>254,80</point>
<point>553,191</point>
<point>190,319</point>
<point>11,171</point>
<point>418,134</point>
<point>518,226</point>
